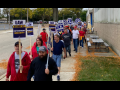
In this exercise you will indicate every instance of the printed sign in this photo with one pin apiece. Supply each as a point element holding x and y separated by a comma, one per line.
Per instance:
<point>77,20</point>
<point>19,29</point>
<point>65,22</point>
<point>70,21</point>
<point>51,22</point>
<point>52,27</point>
<point>29,26</point>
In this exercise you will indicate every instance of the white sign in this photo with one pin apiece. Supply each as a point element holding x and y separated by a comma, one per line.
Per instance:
<point>51,22</point>
<point>29,24</point>
<point>39,28</point>
<point>19,22</point>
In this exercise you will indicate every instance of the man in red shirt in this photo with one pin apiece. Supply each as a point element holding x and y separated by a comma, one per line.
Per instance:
<point>44,35</point>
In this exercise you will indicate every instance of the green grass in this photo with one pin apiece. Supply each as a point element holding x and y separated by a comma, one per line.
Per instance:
<point>99,69</point>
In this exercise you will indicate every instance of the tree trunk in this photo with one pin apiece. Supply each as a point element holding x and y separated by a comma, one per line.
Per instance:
<point>43,21</point>
<point>55,14</point>
<point>7,17</point>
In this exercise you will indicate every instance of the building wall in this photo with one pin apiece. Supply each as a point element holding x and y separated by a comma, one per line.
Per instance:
<point>107,25</point>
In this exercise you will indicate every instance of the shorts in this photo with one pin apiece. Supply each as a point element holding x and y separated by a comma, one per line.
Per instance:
<point>57,59</point>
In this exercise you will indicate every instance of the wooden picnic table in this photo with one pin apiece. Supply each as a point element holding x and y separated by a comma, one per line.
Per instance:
<point>97,42</point>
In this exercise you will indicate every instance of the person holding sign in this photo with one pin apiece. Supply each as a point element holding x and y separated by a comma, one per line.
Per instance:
<point>38,67</point>
<point>44,35</point>
<point>57,52</point>
<point>13,67</point>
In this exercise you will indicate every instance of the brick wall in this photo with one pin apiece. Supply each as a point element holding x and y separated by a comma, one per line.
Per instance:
<point>110,33</point>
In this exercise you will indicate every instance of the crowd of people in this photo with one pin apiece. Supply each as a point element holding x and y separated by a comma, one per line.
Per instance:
<point>34,63</point>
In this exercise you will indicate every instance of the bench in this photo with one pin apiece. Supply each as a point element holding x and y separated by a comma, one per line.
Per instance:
<point>89,44</point>
<point>87,39</point>
<point>106,46</point>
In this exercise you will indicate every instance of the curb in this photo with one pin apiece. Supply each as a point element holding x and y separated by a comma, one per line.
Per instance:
<point>2,76</point>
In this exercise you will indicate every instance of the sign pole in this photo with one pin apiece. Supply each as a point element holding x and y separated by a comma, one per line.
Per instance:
<point>20,54</point>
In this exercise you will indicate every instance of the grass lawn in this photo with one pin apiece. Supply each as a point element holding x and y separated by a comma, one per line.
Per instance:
<point>99,69</point>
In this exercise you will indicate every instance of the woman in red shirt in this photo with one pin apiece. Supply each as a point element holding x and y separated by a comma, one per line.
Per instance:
<point>81,33</point>
<point>35,49</point>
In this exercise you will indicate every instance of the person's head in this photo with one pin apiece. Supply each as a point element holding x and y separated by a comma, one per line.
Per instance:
<point>39,41</point>
<point>75,27</point>
<point>44,29</point>
<point>42,52</point>
<point>56,38</point>
<point>65,31</point>
<point>16,46</point>
<point>82,28</point>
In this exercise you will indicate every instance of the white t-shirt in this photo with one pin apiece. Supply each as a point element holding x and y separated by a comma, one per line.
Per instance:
<point>17,63</point>
<point>75,34</point>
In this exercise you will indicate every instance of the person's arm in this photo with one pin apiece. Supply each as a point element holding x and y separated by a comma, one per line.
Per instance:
<point>8,70</point>
<point>30,72</point>
<point>64,52</point>
<point>27,66</point>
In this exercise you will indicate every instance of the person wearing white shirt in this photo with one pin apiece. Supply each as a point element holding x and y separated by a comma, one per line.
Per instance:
<point>75,38</point>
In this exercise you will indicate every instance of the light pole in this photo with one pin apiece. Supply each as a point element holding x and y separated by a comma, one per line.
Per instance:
<point>9,18</point>
<point>27,14</point>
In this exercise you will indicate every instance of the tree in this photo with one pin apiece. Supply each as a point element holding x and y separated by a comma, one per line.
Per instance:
<point>83,15</point>
<point>55,14</point>
<point>6,12</point>
<point>21,13</point>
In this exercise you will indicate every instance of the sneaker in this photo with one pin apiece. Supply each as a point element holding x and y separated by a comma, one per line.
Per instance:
<point>58,78</point>
<point>70,54</point>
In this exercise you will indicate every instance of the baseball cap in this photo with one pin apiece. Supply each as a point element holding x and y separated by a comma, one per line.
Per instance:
<point>17,43</point>
<point>75,27</point>
<point>44,29</point>
<point>42,48</point>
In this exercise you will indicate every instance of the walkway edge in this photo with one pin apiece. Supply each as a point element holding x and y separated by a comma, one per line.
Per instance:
<point>2,76</point>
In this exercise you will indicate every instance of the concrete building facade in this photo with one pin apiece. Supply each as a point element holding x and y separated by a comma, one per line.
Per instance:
<point>107,25</point>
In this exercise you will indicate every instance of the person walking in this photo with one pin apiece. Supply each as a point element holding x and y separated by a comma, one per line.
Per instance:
<point>38,67</point>
<point>14,67</point>
<point>67,39</point>
<point>44,35</point>
<point>71,27</point>
<point>75,38</point>
<point>81,36</point>
<point>35,49</point>
<point>57,52</point>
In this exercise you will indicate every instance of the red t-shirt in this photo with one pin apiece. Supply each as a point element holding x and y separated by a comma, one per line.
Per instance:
<point>81,33</point>
<point>44,36</point>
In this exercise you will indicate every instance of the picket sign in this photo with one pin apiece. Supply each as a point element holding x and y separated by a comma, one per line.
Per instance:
<point>19,31</point>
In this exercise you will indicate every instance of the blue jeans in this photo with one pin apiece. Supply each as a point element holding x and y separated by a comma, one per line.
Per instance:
<point>75,41</point>
<point>67,49</point>
<point>46,43</point>
<point>57,59</point>
<point>81,42</point>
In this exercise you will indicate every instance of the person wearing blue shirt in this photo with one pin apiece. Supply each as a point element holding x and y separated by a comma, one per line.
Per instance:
<point>57,52</point>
